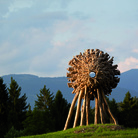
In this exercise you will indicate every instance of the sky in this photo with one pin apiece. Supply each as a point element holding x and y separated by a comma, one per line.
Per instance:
<point>40,37</point>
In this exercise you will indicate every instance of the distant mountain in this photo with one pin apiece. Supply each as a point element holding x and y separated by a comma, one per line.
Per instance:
<point>129,80</point>
<point>32,84</point>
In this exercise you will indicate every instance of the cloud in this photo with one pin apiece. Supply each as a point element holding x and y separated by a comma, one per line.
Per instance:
<point>15,6</point>
<point>135,50</point>
<point>41,37</point>
<point>129,63</point>
<point>109,49</point>
<point>7,53</point>
<point>46,50</point>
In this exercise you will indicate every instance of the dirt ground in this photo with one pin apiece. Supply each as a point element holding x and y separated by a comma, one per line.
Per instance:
<point>93,129</point>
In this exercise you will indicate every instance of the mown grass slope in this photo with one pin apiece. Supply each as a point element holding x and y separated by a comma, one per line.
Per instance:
<point>93,131</point>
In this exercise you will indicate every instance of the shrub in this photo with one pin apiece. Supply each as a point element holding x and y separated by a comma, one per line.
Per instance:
<point>12,133</point>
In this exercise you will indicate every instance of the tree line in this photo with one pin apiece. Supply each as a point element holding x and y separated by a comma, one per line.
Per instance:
<point>50,112</point>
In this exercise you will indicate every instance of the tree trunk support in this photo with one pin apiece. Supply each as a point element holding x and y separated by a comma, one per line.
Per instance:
<point>78,108</point>
<point>71,111</point>
<point>83,107</point>
<point>87,109</point>
<point>96,120</point>
<point>108,109</point>
<point>100,105</point>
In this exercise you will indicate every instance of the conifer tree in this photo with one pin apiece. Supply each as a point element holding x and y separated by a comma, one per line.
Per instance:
<point>37,122</point>
<point>4,99</point>
<point>40,120</point>
<point>45,99</point>
<point>17,106</point>
<point>129,111</point>
<point>60,111</point>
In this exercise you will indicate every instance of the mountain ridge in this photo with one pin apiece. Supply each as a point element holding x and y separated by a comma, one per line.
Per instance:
<point>31,85</point>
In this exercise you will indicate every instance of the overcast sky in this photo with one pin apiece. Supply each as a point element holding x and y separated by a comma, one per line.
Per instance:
<point>40,36</point>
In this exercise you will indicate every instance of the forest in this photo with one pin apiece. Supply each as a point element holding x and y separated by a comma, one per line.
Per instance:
<point>50,111</point>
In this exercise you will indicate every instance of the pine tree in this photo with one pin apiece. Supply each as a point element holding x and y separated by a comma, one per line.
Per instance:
<point>45,99</point>
<point>17,106</point>
<point>60,111</point>
<point>129,111</point>
<point>4,99</point>
<point>37,122</point>
<point>40,119</point>
<point>28,122</point>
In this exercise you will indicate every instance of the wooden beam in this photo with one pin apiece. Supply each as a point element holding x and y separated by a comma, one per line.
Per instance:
<point>71,110</point>
<point>87,109</point>
<point>108,109</point>
<point>100,105</point>
<point>96,120</point>
<point>78,108</point>
<point>83,107</point>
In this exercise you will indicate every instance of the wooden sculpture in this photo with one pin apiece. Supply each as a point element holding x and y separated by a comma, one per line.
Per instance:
<point>88,88</point>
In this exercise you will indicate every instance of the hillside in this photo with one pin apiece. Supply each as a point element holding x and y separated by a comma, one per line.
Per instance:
<point>93,131</point>
<point>32,84</point>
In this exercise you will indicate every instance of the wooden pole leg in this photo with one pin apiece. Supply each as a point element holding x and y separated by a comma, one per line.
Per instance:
<point>83,107</point>
<point>100,105</point>
<point>108,109</point>
<point>71,111</point>
<point>87,109</point>
<point>96,120</point>
<point>104,110</point>
<point>78,108</point>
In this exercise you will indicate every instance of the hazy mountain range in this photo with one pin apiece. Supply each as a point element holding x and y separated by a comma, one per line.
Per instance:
<point>32,84</point>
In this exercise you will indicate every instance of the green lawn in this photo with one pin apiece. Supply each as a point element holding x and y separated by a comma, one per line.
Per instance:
<point>92,131</point>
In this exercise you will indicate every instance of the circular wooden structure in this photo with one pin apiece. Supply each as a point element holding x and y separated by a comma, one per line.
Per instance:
<point>87,87</point>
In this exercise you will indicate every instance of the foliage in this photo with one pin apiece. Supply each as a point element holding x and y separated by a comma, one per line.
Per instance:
<point>37,122</point>
<point>12,133</point>
<point>129,111</point>
<point>45,99</point>
<point>4,99</point>
<point>91,115</point>
<point>40,119</point>
<point>60,111</point>
<point>17,106</point>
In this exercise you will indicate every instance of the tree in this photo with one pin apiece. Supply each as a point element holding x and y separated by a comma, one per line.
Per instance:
<point>91,115</point>
<point>60,111</point>
<point>4,99</point>
<point>40,120</point>
<point>37,122</point>
<point>129,111</point>
<point>17,106</point>
<point>27,123</point>
<point>45,99</point>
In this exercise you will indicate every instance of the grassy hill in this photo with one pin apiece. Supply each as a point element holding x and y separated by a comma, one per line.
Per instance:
<point>93,131</point>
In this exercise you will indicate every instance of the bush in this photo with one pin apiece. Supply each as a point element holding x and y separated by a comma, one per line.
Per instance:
<point>12,133</point>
